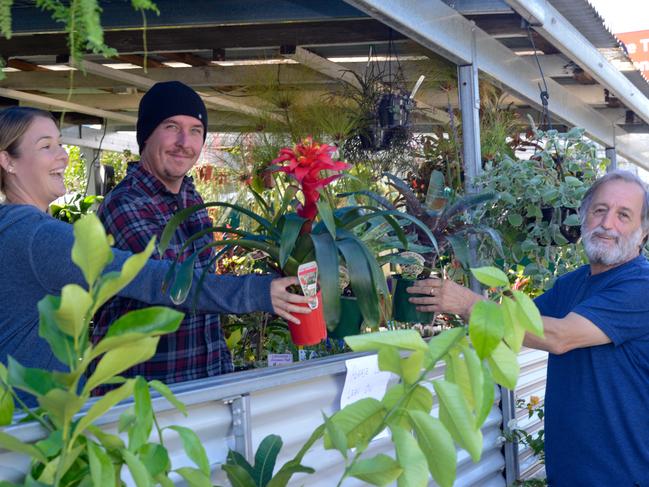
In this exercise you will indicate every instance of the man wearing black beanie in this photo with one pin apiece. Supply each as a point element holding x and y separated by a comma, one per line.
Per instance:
<point>171,131</point>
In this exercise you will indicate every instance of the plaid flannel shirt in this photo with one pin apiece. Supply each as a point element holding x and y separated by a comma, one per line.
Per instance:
<point>138,208</point>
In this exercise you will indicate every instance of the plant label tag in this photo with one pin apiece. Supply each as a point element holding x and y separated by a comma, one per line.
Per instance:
<point>276,359</point>
<point>301,355</point>
<point>307,274</point>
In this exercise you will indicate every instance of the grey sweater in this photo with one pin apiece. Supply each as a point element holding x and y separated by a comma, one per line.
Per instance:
<point>35,260</point>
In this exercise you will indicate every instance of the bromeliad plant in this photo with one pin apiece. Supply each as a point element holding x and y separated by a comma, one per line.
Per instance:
<point>75,451</point>
<point>305,225</point>
<point>425,445</point>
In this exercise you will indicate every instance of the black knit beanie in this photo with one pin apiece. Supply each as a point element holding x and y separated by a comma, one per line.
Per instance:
<point>164,100</point>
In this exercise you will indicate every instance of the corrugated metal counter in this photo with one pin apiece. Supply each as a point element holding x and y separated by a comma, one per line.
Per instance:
<point>238,410</point>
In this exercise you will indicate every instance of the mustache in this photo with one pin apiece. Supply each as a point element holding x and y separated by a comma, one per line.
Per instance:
<point>602,232</point>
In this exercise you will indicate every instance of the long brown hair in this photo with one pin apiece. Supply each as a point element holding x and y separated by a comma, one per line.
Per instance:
<point>14,122</point>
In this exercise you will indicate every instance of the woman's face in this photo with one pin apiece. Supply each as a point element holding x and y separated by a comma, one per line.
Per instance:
<point>39,166</point>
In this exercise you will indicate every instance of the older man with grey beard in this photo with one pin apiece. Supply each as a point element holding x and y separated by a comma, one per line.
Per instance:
<point>596,323</point>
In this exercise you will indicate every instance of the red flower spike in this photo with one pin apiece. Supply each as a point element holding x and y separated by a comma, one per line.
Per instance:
<point>305,162</point>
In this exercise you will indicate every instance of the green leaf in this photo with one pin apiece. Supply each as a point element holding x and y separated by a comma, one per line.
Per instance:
<point>292,225</point>
<point>113,282</point>
<point>101,468</point>
<point>418,399</point>
<point>139,472</point>
<point>51,445</point>
<point>182,215</point>
<point>90,251</point>
<point>61,344</point>
<point>327,216</point>
<point>193,447</point>
<point>155,458</point>
<point>378,470</point>
<point>121,359</point>
<point>437,445</point>
<point>360,276</point>
<point>408,368</point>
<point>155,320</point>
<point>514,333</point>
<point>456,417</point>
<point>238,476</point>
<point>457,371</point>
<point>326,255</point>
<point>107,440</point>
<point>61,405</point>
<point>399,339</point>
<point>6,406</point>
<point>139,434</point>
<point>528,314</point>
<point>336,435</point>
<point>196,478</point>
<point>34,381</point>
<point>411,459</point>
<point>168,395</point>
<point>491,277</point>
<point>10,443</point>
<point>486,327</point>
<point>97,410</point>
<point>488,397</point>
<point>572,220</point>
<point>236,458</point>
<point>182,280</point>
<point>514,219</point>
<point>439,345</point>
<point>75,304</point>
<point>359,421</point>
<point>504,366</point>
<point>265,459</point>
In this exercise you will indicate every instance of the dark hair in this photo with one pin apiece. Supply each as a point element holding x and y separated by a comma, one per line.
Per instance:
<point>617,175</point>
<point>14,122</point>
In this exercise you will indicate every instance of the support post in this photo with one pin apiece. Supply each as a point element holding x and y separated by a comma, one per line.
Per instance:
<point>469,94</point>
<point>91,156</point>
<point>611,155</point>
<point>240,407</point>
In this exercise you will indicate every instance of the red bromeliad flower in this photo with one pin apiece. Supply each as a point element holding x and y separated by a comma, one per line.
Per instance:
<point>305,162</point>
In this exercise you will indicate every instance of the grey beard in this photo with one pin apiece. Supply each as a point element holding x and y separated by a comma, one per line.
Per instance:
<point>623,251</point>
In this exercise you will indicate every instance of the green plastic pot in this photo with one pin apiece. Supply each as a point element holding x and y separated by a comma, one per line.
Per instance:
<point>402,309</point>
<point>350,318</point>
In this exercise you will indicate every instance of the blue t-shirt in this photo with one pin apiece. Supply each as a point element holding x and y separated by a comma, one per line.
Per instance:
<point>597,398</point>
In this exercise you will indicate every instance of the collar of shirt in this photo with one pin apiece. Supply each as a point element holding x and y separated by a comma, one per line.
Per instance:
<point>154,188</point>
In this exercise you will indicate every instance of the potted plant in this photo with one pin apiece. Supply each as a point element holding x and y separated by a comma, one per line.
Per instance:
<point>303,225</point>
<point>537,202</point>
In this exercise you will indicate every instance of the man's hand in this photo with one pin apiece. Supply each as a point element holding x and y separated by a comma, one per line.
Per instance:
<point>443,296</point>
<point>282,300</point>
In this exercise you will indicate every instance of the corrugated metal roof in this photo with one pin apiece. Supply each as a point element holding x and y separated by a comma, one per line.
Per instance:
<point>585,18</point>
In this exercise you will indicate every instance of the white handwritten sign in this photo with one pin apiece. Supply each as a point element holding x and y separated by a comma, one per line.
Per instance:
<point>364,379</point>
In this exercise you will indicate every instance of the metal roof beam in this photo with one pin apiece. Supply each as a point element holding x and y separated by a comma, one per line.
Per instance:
<point>52,103</point>
<point>144,83</point>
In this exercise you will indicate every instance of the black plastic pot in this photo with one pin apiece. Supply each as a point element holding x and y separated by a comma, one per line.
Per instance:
<point>570,232</point>
<point>402,309</point>
<point>350,318</point>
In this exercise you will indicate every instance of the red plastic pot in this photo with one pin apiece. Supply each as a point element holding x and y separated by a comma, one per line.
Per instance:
<point>312,328</point>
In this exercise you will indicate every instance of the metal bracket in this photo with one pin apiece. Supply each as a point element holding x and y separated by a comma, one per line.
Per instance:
<point>240,410</point>
<point>508,407</point>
